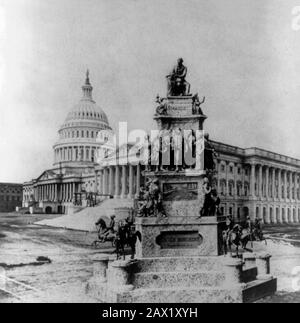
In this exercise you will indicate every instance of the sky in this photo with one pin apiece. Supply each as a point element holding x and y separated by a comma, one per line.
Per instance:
<point>243,56</point>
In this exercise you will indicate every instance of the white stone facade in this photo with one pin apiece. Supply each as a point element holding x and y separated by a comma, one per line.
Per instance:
<point>81,139</point>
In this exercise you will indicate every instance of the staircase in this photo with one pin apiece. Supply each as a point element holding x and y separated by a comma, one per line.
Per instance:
<point>85,219</point>
<point>185,280</point>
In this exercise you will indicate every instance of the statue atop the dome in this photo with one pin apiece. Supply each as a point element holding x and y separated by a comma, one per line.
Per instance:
<point>87,87</point>
<point>87,79</point>
<point>177,85</point>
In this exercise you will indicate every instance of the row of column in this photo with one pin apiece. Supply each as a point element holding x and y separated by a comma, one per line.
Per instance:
<point>55,192</point>
<point>267,188</point>
<point>80,153</point>
<point>241,182</point>
<point>278,214</point>
<point>120,181</point>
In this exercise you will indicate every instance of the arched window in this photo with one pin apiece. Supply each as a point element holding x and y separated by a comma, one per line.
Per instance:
<point>230,188</point>
<point>223,187</point>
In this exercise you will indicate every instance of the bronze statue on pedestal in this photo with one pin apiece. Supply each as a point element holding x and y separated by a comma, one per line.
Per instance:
<point>177,85</point>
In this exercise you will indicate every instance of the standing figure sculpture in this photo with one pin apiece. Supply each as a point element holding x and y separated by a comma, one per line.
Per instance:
<point>207,198</point>
<point>150,201</point>
<point>177,85</point>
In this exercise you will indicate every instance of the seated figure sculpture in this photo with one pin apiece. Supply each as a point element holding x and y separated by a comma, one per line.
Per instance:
<point>177,85</point>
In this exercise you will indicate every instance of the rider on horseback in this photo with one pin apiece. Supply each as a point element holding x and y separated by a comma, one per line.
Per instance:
<point>110,229</point>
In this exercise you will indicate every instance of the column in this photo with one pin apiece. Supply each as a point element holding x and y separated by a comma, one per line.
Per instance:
<point>67,192</point>
<point>55,192</point>
<point>280,214</point>
<point>235,167</point>
<point>279,184</point>
<point>104,181</point>
<point>267,182</point>
<point>260,183</point>
<point>291,185</point>
<point>218,177</point>
<point>252,181</point>
<point>273,182</point>
<point>285,184</point>
<point>130,194</point>
<point>268,214</point>
<point>70,191</point>
<point>296,186</point>
<point>243,181</point>
<point>138,179</point>
<point>111,180</point>
<point>50,192</point>
<point>124,182</point>
<point>101,181</point>
<point>226,179</point>
<point>117,181</point>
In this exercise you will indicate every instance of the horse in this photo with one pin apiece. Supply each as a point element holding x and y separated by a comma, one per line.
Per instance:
<point>103,234</point>
<point>239,236</point>
<point>231,237</point>
<point>126,236</point>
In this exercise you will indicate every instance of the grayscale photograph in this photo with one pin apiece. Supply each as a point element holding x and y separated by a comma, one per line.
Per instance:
<point>149,154</point>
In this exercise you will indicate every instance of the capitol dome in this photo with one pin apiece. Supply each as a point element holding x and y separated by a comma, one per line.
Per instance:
<point>79,139</point>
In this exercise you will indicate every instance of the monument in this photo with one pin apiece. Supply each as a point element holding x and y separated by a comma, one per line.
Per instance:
<point>179,257</point>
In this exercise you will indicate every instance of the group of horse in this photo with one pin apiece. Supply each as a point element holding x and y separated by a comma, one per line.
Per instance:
<point>125,235</point>
<point>240,236</point>
<point>121,237</point>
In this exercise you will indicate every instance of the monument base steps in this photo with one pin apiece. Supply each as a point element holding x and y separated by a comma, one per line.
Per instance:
<point>181,280</point>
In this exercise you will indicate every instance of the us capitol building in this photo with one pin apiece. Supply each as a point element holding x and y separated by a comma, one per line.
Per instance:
<point>249,181</point>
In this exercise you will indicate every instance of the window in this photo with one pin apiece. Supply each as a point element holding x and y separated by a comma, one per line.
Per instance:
<point>231,169</point>
<point>222,168</point>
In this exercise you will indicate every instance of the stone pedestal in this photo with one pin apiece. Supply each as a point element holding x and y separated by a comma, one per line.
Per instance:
<point>249,259</point>
<point>119,273</point>
<point>100,267</point>
<point>179,235</point>
<point>233,272</point>
<point>263,266</point>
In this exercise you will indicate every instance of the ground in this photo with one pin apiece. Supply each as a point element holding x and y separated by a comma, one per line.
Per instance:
<point>71,255</point>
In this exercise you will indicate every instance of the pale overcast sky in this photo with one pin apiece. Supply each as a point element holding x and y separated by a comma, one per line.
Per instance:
<point>242,55</point>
